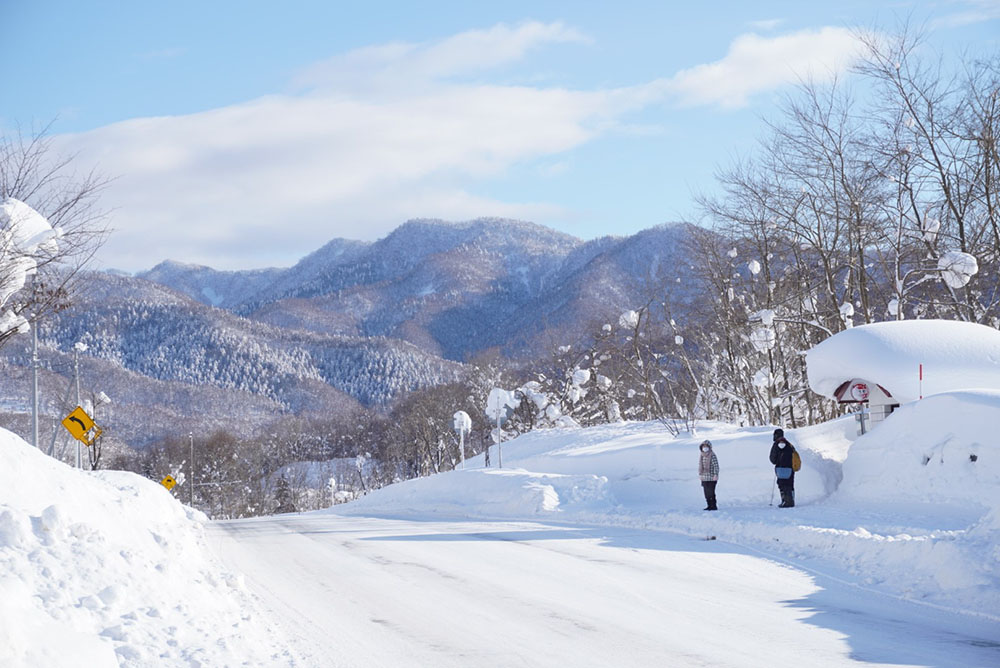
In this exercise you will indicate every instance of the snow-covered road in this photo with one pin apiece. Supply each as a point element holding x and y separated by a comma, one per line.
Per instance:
<point>352,591</point>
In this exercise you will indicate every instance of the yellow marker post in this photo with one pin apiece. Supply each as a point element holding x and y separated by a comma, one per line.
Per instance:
<point>168,482</point>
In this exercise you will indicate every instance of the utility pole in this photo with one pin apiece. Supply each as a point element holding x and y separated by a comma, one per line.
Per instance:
<point>499,438</point>
<point>461,446</point>
<point>76,379</point>
<point>497,401</point>
<point>191,491</point>
<point>34,384</point>
<point>56,432</point>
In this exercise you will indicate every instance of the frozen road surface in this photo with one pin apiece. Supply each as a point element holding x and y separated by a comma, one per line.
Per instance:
<point>351,591</point>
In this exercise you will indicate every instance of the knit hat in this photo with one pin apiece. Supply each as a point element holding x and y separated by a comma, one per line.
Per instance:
<point>704,443</point>
<point>779,433</point>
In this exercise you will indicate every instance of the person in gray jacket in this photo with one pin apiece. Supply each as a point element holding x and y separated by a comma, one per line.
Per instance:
<point>708,471</point>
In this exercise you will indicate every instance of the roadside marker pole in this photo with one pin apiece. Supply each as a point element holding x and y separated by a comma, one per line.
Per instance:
<point>34,383</point>
<point>191,491</point>
<point>921,381</point>
<point>76,379</point>
<point>499,438</point>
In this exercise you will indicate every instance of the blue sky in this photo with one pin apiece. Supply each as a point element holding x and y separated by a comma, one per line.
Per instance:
<point>247,134</point>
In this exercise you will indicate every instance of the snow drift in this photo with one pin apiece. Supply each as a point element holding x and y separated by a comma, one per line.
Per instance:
<point>634,466</point>
<point>108,569</point>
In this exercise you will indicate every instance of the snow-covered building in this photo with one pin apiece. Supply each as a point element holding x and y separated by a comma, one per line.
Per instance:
<point>886,364</point>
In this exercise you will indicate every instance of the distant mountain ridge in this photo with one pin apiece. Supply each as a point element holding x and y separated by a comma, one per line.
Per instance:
<point>352,324</point>
<point>452,289</point>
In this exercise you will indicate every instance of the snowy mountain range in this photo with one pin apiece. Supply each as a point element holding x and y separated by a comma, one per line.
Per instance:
<point>454,290</point>
<point>353,323</point>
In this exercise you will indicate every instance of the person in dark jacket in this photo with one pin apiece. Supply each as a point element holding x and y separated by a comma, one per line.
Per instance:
<point>781,456</point>
<point>708,471</point>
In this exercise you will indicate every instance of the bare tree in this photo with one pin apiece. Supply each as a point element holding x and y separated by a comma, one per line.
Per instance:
<point>33,173</point>
<point>943,124</point>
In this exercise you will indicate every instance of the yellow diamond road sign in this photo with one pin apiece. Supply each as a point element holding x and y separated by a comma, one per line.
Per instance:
<point>168,482</point>
<point>79,423</point>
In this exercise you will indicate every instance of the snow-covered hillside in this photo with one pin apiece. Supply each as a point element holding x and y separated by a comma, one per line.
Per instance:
<point>104,569</point>
<point>878,512</point>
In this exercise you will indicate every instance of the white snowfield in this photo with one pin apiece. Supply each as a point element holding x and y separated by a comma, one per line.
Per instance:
<point>589,550</point>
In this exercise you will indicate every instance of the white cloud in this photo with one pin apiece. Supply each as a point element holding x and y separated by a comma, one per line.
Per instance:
<point>766,24</point>
<point>379,135</point>
<point>283,174</point>
<point>757,64</point>
<point>972,12</point>
<point>392,66</point>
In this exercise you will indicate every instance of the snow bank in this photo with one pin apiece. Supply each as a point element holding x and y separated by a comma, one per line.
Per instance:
<point>941,450</point>
<point>933,464</point>
<point>639,466</point>
<point>955,355</point>
<point>648,467</point>
<point>108,569</point>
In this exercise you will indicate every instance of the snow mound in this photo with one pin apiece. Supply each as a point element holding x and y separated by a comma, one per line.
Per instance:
<point>941,450</point>
<point>936,457</point>
<point>633,465</point>
<point>955,355</point>
<point>108,569</point>
<point>648,467</point>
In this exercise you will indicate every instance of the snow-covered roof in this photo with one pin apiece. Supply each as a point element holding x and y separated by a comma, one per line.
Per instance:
<point>955,356</point>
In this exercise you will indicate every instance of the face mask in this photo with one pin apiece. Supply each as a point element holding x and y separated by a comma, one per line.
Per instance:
<point>781,444</point>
